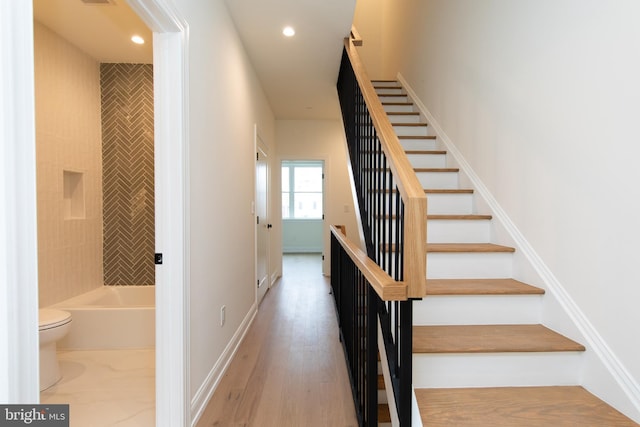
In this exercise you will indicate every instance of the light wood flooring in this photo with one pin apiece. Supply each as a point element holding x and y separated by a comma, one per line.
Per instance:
<point>290,370</point>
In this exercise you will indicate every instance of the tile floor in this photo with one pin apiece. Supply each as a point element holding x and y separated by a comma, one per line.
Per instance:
<point>106,387</point>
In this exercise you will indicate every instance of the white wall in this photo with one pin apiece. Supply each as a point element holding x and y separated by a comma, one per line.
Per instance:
<point>369,18</point>
<point>225,101</point>
<point>302,236</point>
<point>542,98</point>
<point>317,140</point>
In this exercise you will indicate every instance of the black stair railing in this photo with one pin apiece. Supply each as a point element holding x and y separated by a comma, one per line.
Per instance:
<point>392,207</point>
<point>356,304</point>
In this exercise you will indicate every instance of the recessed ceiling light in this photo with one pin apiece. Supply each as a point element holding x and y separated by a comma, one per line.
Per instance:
<point>288,31</point>
<point>137,39</point>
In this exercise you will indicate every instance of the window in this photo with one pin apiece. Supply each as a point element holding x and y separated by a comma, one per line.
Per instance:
<point>302,189</point>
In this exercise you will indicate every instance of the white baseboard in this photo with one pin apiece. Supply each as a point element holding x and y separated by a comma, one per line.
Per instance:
<point>274,279</point>
<point>599,386</point>
<point>302,250</point>
<point>204,393</point>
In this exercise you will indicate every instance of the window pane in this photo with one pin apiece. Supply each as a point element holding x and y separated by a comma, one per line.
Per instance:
<point>285,206</point>
<point>285,178</point>
<point>308,179</point>
<point>307,205</point>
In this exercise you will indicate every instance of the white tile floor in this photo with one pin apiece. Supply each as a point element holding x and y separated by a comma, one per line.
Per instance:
<point>106,387</point>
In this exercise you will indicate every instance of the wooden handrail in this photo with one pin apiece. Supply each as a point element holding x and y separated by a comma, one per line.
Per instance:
<point>384,285</point>
<point>411,191</point>
<point>355,36</point>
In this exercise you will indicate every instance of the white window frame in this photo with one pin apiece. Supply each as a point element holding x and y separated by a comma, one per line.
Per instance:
<point>292,164</point>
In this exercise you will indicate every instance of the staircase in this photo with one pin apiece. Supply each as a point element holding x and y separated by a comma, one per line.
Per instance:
<point>480,356</point>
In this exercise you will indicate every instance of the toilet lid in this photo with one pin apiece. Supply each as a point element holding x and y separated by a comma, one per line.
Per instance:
<point>50,318</point>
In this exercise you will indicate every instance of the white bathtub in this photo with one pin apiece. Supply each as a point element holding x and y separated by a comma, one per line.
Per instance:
<point>111,317</point>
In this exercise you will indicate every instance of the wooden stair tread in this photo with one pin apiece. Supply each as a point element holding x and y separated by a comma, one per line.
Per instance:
<point>381,385</point>
<point>425,152</point>
<point>384,415</point>
<point>417,169</point>
<point>561,406</point>
<point>416,136</point>
<point>472,217</point>
<point>480,287</point>
<point>433,191</point>
<point>490,339</point>
<point>448,191</point>
<point>459,248</point>
<point>467,247</point>
<point>436,169</point>
<point>451,217</point>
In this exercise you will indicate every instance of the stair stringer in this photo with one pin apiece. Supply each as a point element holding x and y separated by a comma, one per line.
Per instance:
<point>603,373</point>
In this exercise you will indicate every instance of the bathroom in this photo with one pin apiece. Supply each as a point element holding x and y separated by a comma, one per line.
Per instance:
<point>94,150</point>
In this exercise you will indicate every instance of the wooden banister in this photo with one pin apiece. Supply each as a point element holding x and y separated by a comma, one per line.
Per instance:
<point>355,37</point>
<point>384,285</point>
<point>411,191</point>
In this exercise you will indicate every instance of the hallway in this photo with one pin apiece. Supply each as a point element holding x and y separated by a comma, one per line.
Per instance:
<point>290,369</point>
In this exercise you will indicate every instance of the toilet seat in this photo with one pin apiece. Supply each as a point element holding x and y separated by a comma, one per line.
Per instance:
<point>49,318</point>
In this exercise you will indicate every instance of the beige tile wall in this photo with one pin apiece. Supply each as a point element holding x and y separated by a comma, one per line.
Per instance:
<point>68,137</point>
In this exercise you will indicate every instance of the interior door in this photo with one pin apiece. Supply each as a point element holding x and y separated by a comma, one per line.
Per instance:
<point>262,220</point>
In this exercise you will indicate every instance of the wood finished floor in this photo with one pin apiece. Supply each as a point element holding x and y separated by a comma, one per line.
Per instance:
<point>290,370</point>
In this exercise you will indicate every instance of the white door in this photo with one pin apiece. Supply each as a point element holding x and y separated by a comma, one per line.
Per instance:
<point>262,219</point>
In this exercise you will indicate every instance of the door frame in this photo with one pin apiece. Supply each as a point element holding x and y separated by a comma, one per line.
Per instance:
<point>310,160</point>
<point>260,144</point>
<point>19,356</point>
<point>171,100</point>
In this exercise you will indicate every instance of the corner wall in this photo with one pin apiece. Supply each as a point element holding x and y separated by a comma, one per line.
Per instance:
<point>225,102</point>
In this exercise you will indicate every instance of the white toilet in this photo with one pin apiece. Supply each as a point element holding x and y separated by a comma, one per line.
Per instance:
<point>52,325</point>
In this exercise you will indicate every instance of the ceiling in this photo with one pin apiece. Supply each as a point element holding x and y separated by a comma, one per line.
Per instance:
<point>103,31</point>
<point>298,74</point>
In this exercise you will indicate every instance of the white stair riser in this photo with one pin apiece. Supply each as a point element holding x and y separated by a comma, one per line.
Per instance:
<point>410,130</point>
<point>394,98</point>
<point>384,83</point>
<point>455,204</point>
<point>453,231</point>
<point>439,180</point>
<point>419,144</point>
<point>427,160</point>
<point>479,265</point>
<point>405,118</point>
<point>496,369</point>
<point>398,108</point>
<point>458,231</point>
<point>390,91</point>
<point>477,310</point>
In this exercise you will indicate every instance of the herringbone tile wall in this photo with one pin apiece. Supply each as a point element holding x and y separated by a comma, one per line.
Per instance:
<point>127,174</point>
